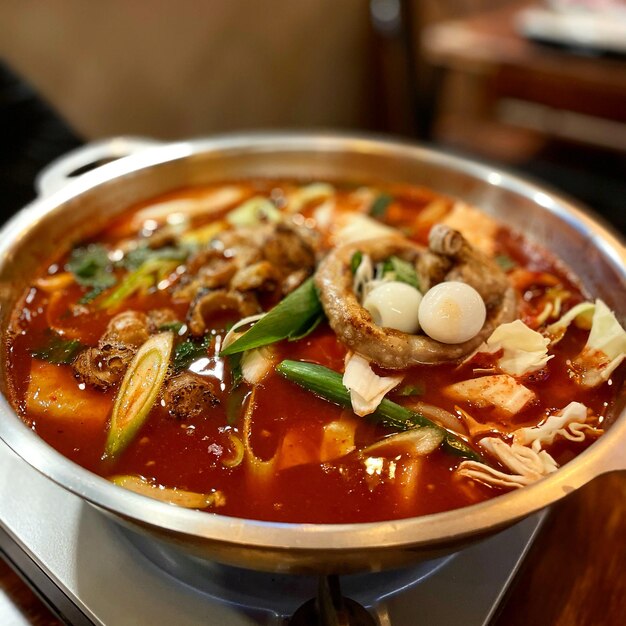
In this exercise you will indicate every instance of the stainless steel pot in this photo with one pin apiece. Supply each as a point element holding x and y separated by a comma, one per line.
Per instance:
<point>79,208</point>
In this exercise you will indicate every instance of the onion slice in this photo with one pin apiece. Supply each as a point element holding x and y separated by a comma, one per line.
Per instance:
<point>438,415</point>
<point>417,441</point>
<point>177,497</point>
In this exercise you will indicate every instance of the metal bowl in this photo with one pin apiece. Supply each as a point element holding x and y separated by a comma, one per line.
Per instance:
<point>49,225</point>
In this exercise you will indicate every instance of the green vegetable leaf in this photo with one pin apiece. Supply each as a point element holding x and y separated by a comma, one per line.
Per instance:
<point>149,273</point>
<point>237,395</point>
<point>189,351</point>
<point>58,350</point>
<point>292,318</point>
<point>380,205</point>
<point>235,403</point>
<point>175,327</point>
<point>134,259</point>
<point>91,266</point>
<point>92,295</point>
<point>402,271</point>
<point>328,384</point>
<point>236,373</point>
<point>505,263</point>
<point>355,261</point>
<point>307,328</point>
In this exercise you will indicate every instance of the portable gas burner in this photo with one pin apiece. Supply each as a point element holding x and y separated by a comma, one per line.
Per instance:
<point>90,571</point>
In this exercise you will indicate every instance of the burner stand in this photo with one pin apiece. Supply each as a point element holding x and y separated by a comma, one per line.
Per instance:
<point>94,572</point>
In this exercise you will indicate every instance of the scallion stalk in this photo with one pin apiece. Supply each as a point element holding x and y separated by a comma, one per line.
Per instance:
<point>293,318</point>
<point>327,384</point>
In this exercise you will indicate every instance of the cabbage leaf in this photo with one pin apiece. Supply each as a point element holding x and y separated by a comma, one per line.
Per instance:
<point>604,351</point>
<point>523,350</point>
<point>367,389</point>
<point>500,391</point>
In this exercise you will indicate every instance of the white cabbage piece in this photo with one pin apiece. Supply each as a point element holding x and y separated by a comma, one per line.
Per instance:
<point>359,227</point>
<point>501,391</point>
<point>569,423</point>
<point>524,350</point>
<point>604,351</point>
<point>525,464</point>
<point>367,389</point>
<point>363,198</point>
<point>606,345</point>
<point>54,393</point>
<point>581,315</point>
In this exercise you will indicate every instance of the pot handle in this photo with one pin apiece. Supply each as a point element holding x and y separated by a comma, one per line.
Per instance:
<point>67,167</point>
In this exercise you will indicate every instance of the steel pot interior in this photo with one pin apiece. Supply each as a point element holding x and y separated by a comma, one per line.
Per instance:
<point>51,224</point>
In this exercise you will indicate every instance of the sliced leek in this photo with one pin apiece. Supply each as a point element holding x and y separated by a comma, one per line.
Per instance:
<point>138,391</point>
<point>327,384</point>
<point>292,318</point>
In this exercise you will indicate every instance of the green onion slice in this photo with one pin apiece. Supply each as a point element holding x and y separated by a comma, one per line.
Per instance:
<point>292,318</point>
<point>328,385</point>
<point>138,392</point>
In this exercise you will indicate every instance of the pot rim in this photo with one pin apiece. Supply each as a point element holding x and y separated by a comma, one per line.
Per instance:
<point>607,454</point>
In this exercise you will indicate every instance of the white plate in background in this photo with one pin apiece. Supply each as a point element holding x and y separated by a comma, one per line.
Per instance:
<point>602,31</point>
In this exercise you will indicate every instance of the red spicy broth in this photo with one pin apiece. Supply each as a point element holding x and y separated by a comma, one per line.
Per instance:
<point>267,448</point>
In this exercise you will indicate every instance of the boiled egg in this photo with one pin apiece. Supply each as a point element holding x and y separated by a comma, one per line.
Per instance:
<point>452,312</point>
<point>394,305</point>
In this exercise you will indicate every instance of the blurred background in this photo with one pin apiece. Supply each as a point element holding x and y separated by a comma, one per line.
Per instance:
<point>539,88</point>
<point>535,87</point>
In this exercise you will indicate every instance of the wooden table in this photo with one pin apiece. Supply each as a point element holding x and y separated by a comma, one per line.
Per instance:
<point>573,576</point>
<point>489,75</point>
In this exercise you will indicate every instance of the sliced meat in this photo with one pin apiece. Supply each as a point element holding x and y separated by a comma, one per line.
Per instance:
<point>269,257</point>
<point>164,236</point>
<point>188,395</point>
<point>432,269</point>
<point>244,245</point>
<point>479,229</point>
<point>394,349</point>
<point>213,266</point>
<point>104,366</point>
<point>287,249</point>
<point>208,269</point>
<point>129,328</point>
<point>210,304</point>
<point>259,276</point>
